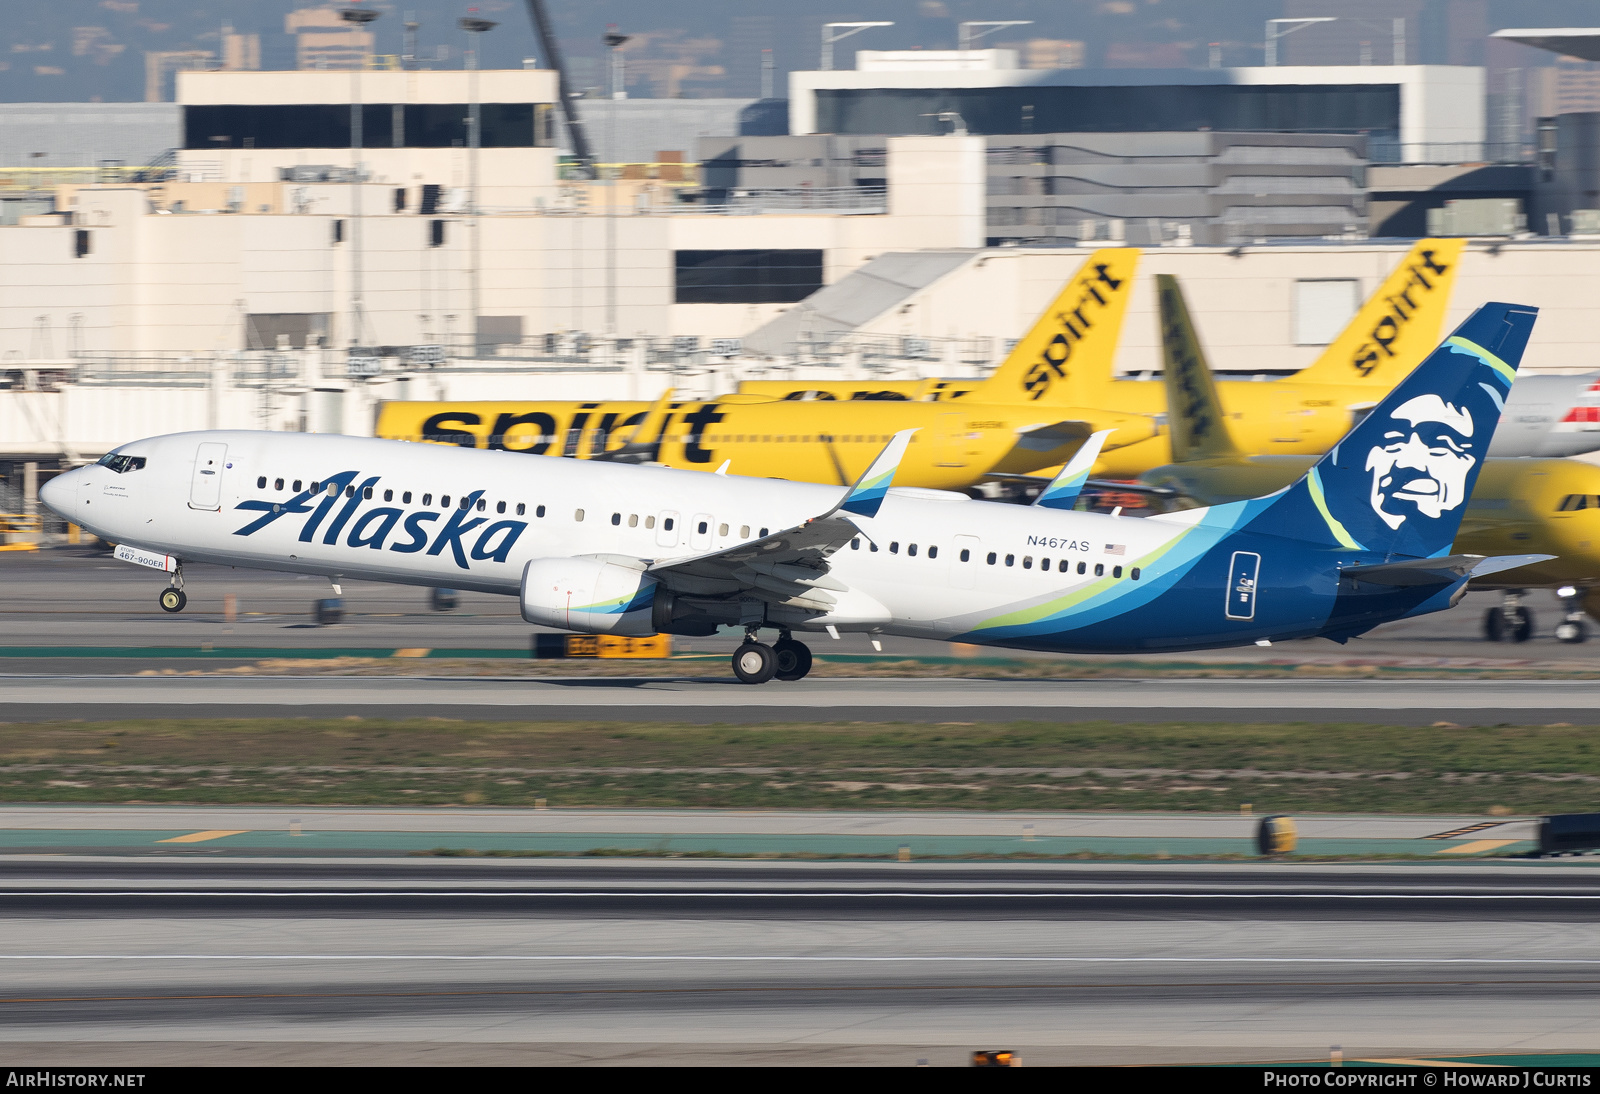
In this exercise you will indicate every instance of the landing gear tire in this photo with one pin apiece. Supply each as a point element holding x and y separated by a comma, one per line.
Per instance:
<point>173,600</point>
<point>1571,630</point>
<point>794,659</point>
<point>1510,625</point>
<point>754,663</point>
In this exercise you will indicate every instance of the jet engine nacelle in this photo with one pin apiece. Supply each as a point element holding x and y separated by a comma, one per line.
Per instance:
<point>588,595</point>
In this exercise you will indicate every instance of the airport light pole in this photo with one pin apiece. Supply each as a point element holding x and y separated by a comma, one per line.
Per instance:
<point>358,18</point>
<point>965,37</point>
<point>837,32</point>
<point>613,42</point>
<point>474,27</point>
<point>1281,28</point>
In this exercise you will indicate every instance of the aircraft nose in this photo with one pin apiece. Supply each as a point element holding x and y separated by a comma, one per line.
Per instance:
<point>58,492</point>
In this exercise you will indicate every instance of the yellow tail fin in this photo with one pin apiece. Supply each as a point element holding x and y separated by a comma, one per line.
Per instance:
<point>1397,327</point>
<point>1069,351</point>
<point>1195,419</point>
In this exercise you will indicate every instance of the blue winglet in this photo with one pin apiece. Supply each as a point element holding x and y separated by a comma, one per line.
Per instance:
<point>1063,491</point>
<point>866,496</point>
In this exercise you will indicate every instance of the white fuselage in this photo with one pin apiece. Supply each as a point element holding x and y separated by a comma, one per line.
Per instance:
<point>941,560</point>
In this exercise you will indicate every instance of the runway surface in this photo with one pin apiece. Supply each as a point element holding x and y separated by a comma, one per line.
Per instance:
<point>311,831</point>
<point>647,698</point>
<point>448,961</point>
<point>78,597</point>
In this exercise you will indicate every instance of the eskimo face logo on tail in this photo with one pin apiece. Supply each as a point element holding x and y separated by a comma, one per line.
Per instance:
<point>1097,288</point>
<point>1421,466</point>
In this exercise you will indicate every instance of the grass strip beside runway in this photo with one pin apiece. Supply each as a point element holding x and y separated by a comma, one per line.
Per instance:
<point>1327,767</point>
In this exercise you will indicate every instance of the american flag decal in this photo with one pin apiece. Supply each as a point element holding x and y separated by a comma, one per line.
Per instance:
<point>1116,549</point>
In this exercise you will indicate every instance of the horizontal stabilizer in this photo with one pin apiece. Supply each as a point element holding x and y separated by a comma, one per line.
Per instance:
<point>1437,571</point>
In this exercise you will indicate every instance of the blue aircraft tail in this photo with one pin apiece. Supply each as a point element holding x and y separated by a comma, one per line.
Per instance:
<point>1398,483</point>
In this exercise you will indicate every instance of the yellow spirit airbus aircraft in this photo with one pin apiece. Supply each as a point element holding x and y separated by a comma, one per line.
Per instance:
<point>958,444</point>
<point>1307,412</point>
<point>1527,506</point>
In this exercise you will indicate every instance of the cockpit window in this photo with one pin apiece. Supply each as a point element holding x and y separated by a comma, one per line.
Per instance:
<point>122,464</point>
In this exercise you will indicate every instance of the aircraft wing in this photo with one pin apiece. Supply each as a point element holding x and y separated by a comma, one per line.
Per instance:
<point>1437,571</point>
<point>791,565</point>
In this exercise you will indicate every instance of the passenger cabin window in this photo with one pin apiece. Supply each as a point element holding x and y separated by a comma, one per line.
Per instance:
<point>1082,567</point>
<point>1011,560</point>
<point>277,484</point>
<point>992,557</point>
<point>444,501</point>
<point>633,520</point>
<point>894,547</point>
<point>701,528</point>
<point>722,529</point>
<point>1027,562</point>
<point>406,498</point>
<point>1099,569</point>
<point>1116,571</point>
<point>388,495</point>
<point>1134,573</point>
<point>1064,565</point>
<point>966,555</point>
<point>427,499</point>
<point>649,522</point>
<point>297,486</point>
<point>577,514</point>
<point>933,552</point>
<point>522,507</point>
<point>763,533</point>
<point>350,492</point>
<point>744,531</point>
<point>855,544</point>
<point>616,519</point>
<point>366,495</point>
<point>482,505</point>
<point>499,507</point>
<point>912,550</point>
<point>261,483</point>
<point>316,487</point>
<point>539,512</point>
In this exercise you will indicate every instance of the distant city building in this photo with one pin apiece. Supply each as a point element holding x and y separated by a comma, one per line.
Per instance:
<point>323,40</point>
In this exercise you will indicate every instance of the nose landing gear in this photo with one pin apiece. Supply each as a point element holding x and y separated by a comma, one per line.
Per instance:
<point>172,598</point>
<point>1572,627</point>
<point>786,659</point>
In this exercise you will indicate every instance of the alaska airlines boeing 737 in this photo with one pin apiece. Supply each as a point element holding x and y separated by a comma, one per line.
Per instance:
<point>1362,538</point>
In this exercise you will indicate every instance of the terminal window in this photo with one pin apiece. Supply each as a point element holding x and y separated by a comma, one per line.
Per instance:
<point>383,125</point>
<point>746,277</point>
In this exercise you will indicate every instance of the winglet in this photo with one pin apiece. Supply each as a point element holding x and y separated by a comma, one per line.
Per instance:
<point>866,496</point>
<point>1063,491</point>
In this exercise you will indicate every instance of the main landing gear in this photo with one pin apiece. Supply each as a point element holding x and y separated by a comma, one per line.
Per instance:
<point>785,659</point>
<point>1572,627</point>
<point>172,597</point>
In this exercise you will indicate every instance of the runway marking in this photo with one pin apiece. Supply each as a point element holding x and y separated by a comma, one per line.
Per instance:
<point>1476,846</point>
<point>788,989</point>
<point>792,895</point>
<point>201,837</point>
<point>1456,833</point>
<point>1005,959</point>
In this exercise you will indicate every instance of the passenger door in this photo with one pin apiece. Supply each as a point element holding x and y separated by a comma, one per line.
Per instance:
<point>667,529</point>
<point>964,575</point>
<point>700,532</point>
<point>205,490</point>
